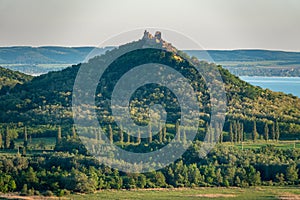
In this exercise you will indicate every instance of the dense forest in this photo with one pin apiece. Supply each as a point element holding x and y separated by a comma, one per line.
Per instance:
<point>41,107</point>
<point>61,173</point>
<point>47,99</point>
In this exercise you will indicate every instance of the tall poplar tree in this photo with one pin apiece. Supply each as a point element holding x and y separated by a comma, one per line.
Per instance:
<point>266,132</point>
<point>254,132</point>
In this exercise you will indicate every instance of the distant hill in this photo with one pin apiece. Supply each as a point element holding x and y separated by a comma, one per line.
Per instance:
<point>40,60</point>
<point>43,55</point>
<point>251,55</point>
<point>255,62</point>
<point>47,99</point>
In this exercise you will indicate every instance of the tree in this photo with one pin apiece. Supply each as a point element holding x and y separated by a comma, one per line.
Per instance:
<point>219,177</point>
<point>141,181</point>
<point>25,137</point>
<point>12,186</point>
<point>150,132</point>
<point>24,190</point>
<point>184,136</point>
<point>165,133</point>
<point>79,182</point>
<point>231,132</point>
<point>7,138</point>
<point>277,131</point>
<point>208,132</point>
<point>219,132</point>
<point>160,134</point>
<point>121,135</point>
<point>292,173</point>
<point>98,135</point>
<point>23,151</point>
<point>111,140</point>
<point>266,132</point>
<point>241,132</point>
<point>237,181</point>
<point>160,179</point>
<point>30,178</point>
<point>139,137</point>
<point>73,132</point>
<point>58,138</point>
<point>128,137</point>
<point>235,128</point>
<point>194,175</point>
<point>1,141</point>
<point>253,176</point>
<point>177,129</point>
<point>238,131</point>
<point>254,132</point>
<point>7,183</point>
<point>280,178</point>
<point>273,131</point>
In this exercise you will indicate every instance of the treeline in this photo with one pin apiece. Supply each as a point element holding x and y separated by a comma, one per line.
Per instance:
<point>68,140</point>
<point>237,134</point>
<point>62,173</point>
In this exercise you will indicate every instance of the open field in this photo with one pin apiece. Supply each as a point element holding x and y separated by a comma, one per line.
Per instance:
<point>35,146</point>
<point>261,143</point>
<point>45,143</point>
<point>38,145</point>
<point>284,193</point>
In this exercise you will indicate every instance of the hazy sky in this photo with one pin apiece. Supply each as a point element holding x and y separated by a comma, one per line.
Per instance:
<point>215,24</point>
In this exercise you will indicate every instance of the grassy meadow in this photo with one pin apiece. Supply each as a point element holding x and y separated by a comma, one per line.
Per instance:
<point>216,193</point>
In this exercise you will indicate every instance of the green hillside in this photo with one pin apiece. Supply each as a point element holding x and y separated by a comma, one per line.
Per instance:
<point>47,99</point>
<point>9,78</point>
<point>42,153</point>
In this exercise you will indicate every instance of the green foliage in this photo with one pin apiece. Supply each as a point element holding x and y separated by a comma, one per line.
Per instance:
<point>43,106</point>
<point>292,173</point>
<point>266,132</point>
<point>62,172</point>
<point>254,132</point>
<point>47,99</point>
<point>9,78</point>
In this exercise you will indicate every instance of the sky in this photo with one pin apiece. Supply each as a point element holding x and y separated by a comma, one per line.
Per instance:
<point>214,24</point>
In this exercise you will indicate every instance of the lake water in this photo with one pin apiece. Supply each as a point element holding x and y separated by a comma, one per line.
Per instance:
<point>288,85</point>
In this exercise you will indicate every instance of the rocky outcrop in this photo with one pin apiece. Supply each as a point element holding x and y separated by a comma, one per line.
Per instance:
<point>156,41</point>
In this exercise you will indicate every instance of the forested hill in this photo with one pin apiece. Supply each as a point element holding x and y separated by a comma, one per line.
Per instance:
<point>47,99</point>
<point>9,78</point>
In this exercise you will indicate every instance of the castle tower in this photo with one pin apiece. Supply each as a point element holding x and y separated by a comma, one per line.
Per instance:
<point>158,35</point>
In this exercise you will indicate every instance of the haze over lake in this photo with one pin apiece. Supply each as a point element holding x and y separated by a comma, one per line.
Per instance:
<point>288,85</point>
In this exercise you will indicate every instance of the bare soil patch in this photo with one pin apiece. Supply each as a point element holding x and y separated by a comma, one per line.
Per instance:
<point>214,195</point>
<point>18,197</point>
<point>289,196</point>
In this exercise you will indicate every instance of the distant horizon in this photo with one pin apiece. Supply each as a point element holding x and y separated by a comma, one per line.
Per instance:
<point>89,46</point>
